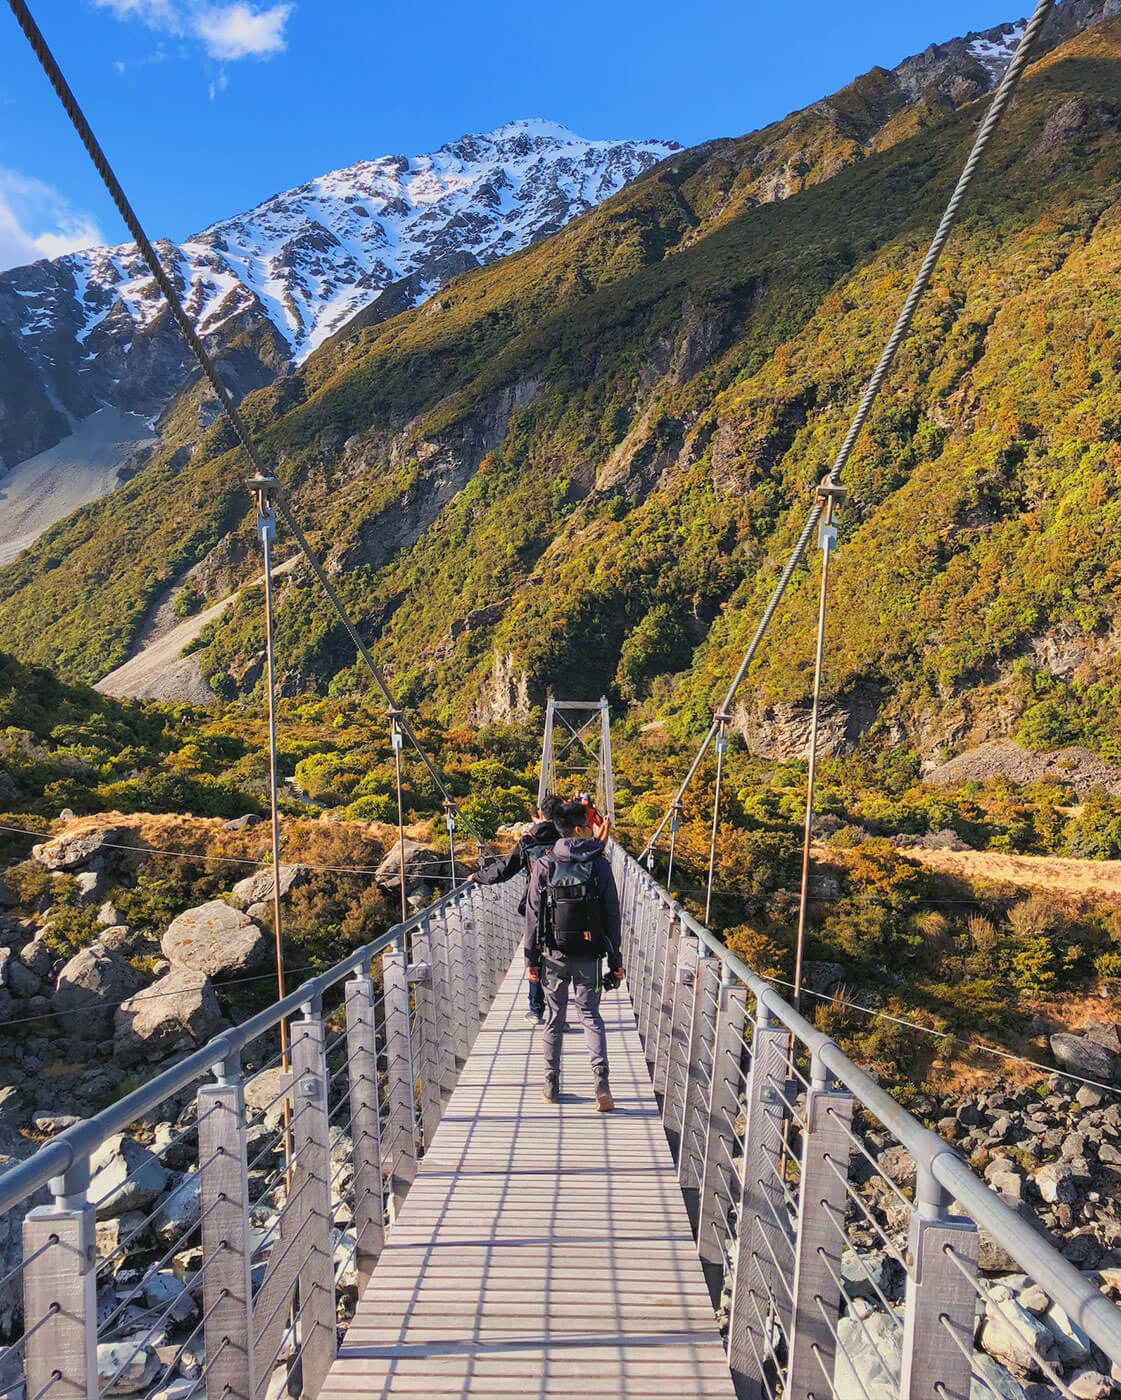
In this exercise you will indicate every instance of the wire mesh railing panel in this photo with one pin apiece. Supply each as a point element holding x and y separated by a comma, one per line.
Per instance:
<point>840,1238</point>
<point>215,1229</point>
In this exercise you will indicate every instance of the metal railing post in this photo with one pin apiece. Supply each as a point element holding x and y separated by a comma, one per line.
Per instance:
<point>648,917</point>
<point>444,1005</point>
<point>820,1238</point>
<point>224,1206</point>
<point>663,1004</point>
<point>702,1039</point>
<point>60,1292</point>
<point>399,1138</point>
<point>677,1066</point>
<point>754,1279</point>
<point>471,941</point>
<point>312,1155</point>
<point>719,1187</point>
<point>657,927</point>
<point>426,1057</point>
<point>365,1125</point>
<point>457,971</point>
<point>941,1306</point>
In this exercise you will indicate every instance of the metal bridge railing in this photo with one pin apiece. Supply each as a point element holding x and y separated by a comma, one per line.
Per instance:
<point>238,1280</point>
<point>839,1237</point>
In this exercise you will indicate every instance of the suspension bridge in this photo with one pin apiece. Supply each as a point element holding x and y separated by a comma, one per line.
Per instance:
<point>400,1213</point>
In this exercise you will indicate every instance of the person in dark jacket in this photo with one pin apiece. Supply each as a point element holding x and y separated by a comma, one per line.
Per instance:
<point>593,902</point>
<point>541,837</point>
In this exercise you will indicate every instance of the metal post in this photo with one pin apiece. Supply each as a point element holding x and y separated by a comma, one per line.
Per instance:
<point>677,1067</point>
<point>224,1206</point>
<point>312,1149</point>
<point>60,1292</point>
<point>397,739</point>
<point>827,495</point>
<point>449,822</point>
<point>719,1187</point>
<point>820,1239</point>
<point>457,973</point>
<point>365,1124</point>
<point>674,822</point>
<point>399,1138</point>
<point>263,488</point>
<point>444,1004</point>
<point>941,1298</point>
<point>702,1038</point>
<point>749,1341</point>
<point>664,1005</point>
<point>661,920</point>
<point>473,934</point>
<point>471,989</point>
<point>427,1059</point>
<point>721,720</point>
<point>648,918</point>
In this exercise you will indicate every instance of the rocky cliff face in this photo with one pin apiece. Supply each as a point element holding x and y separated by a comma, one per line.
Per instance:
<point>267,287</point>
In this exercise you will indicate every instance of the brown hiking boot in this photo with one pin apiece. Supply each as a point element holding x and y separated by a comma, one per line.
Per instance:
<point>604,1102</point>
<point>549,1091</point>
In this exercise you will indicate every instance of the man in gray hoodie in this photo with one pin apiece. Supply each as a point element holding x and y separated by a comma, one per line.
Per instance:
<point>573,922</point>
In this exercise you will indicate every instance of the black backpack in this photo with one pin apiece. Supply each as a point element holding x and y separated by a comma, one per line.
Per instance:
<point>570,909</point>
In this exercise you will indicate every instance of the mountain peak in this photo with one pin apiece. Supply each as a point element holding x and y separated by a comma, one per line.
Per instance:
<point>293,270</point>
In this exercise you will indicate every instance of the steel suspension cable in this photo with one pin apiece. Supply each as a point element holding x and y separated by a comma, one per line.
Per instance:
<point>78,120</point>
<point>997,108</point>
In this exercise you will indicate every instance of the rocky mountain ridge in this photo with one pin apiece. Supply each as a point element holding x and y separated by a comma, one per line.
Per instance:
<point>267,287</point>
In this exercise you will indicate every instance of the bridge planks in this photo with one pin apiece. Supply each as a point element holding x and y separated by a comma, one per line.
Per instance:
<point>541,1251</point>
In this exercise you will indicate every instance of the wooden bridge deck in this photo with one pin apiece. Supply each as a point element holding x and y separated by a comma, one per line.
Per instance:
<point>542,1250</point>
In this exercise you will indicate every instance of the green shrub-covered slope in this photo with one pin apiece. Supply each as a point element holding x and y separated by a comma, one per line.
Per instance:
<point>581,467</point>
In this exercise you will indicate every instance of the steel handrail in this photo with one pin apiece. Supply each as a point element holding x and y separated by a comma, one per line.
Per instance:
<point>944,1169</point>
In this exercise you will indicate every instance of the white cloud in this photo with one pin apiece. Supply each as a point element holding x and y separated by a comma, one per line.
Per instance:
<point>238,31</point>
<point>226,31</point>
<point>36,221</point>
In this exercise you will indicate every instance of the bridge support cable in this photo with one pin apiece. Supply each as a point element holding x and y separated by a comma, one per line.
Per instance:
<point>997,108</point>
<point>827,538</point>
<point>78,120</point>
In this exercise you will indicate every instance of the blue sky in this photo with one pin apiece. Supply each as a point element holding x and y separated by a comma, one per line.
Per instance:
<point>206,107</point>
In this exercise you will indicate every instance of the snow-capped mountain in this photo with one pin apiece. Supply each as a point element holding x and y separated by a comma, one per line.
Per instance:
<point>90,329</point>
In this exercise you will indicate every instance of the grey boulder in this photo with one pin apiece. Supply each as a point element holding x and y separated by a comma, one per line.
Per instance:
<point>90,986</point>
<point>125,1176</point>
<point>179,1212</point>
<point>990,1380</point>
<point>868,1358</point>
<point>258,888</point>
<point>178,1012</point>
<point>421,864</point>
<point>126,1366</point>
<point>72,850</point>
<point>1013,1337</point>
<point>1082,1056</point>
<point>213,939</point>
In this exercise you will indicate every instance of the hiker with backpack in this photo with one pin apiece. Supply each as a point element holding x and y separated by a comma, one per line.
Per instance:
<point>572,923</point>
<point>537,842</point>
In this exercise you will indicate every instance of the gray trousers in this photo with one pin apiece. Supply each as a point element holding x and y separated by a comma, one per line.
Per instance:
<point>557,972</point>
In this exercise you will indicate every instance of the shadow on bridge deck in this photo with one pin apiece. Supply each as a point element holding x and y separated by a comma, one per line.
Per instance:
<point>541,1251</point>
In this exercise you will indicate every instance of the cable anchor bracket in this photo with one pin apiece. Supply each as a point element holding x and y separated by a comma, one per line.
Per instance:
<point>262,489</point>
